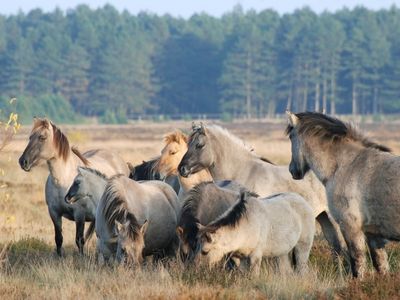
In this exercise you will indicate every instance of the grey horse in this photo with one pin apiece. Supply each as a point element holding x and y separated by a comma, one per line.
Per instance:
<point>139,218</point>
<point>361,180</point>
<point>229,158</point>
<point>48,143</point>
<point>270,227</point>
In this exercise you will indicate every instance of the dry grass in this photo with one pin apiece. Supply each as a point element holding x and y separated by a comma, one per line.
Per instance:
<point>30,269</point>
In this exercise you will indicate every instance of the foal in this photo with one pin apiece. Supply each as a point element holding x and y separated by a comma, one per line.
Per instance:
<point>257,228</point>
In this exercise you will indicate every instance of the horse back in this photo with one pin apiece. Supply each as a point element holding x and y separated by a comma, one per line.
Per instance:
<point>107,162</point>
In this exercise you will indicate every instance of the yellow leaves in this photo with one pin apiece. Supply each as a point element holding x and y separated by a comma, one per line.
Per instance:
<point>13,122</point>
<point>10,219</point>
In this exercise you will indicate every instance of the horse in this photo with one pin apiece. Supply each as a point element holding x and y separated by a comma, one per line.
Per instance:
<point>168,162</point>
<point>144,171</point>
<point>203,204</point>
<point>228,158</point>
<point>196,193</point>
<point>147,170</point>
<point>361,179</point>
<point>140,220</point>
<point>48,143</point>
<point>262,227</point>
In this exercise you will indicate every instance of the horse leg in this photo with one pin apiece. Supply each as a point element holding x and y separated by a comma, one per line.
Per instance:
<point>332,233</point>
<point>379,257</point>
<point>255,264</point>
<point>284,265</point>
<point>57,222</point>
<point>80,231</point>
<point>301,255</point>
<point>355,240</point>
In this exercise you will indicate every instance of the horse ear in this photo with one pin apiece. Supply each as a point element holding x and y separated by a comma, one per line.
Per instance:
<point>293,120</point>
<point>179,231</point>
<point>118,226</point>
<point>202,128</point>
<point>143,228</point>
<point>200,226</point>
<point>130,167</point>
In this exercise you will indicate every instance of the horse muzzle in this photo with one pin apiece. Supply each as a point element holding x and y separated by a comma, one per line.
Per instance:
<point>25,164</point>
<point>184,171</point>
<point>69,199</point>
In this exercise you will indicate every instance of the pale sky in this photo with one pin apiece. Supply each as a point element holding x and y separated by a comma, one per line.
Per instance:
<point>185,8</point>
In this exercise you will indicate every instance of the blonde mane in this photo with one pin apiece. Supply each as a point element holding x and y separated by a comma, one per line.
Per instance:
<point>176,136</point>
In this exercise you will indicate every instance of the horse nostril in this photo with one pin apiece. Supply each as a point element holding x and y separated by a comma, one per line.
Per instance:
<point>23,163</point>
<point>183,170</point>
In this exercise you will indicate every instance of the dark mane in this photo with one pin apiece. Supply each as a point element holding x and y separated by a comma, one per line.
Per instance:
<point>266,160</point>
<point>233,215</point>
<point>80,156</point>
<point>145,171</point>
<point>115,209</point>
<point>330,129</point>
<point>95,172</point>
<point>188,220</point>
<point>60,142</point>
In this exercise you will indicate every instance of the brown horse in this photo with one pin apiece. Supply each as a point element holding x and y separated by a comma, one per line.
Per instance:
<point>48,143</point>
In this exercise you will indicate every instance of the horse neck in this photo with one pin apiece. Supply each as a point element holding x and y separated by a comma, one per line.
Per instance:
<point>63,171</point>
<point>187,183</point>
<point>231,161</point>
<point>98,186</point>
<point>327,157</point>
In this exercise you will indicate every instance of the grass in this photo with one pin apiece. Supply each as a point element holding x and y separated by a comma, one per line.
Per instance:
<point>29,267</point>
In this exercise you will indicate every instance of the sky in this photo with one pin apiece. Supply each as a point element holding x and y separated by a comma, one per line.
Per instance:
<point>185,8</point>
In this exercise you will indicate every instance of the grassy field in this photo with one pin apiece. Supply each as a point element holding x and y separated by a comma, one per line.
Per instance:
<point>30,269</point>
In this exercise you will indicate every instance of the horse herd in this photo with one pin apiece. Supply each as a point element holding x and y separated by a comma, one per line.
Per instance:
<point>210,198</point>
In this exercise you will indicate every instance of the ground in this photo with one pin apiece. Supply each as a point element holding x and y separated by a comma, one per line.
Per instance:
<point>30,269</point>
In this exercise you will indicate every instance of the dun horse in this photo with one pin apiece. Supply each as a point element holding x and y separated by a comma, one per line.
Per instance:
<point>141,217</point>
<point>48,143</point>
<point>361,180</point>
<point>198,193</point>
<point>257,228</point>
<point>203,204</point>
<point>171,155</point>
<point>228,158</point>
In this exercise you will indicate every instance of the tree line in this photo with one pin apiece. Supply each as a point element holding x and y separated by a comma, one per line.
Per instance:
<point>115,65</point>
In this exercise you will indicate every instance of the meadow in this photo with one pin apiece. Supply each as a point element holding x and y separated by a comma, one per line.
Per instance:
<point>29,267</point>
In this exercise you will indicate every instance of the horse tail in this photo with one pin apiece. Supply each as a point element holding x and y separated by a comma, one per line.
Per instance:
<point>89,231</point>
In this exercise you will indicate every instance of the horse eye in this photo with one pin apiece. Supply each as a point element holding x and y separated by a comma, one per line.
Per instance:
<point>173,152</point>
<point>204,252</point>
<point>199,146</point>
<point>42,137</point>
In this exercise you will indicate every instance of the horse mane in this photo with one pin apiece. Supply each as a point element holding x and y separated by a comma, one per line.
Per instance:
<point>188,220</point>
<point>60,142</point>
<point>115,209</point>
<point>80,156</point>
<point>233,215</point>
<point>147,170</point>
<point>331,129</point>
<point>95,172</point>
<point>266,160</point>
<point>176,136</point>
<point>226,133</point>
